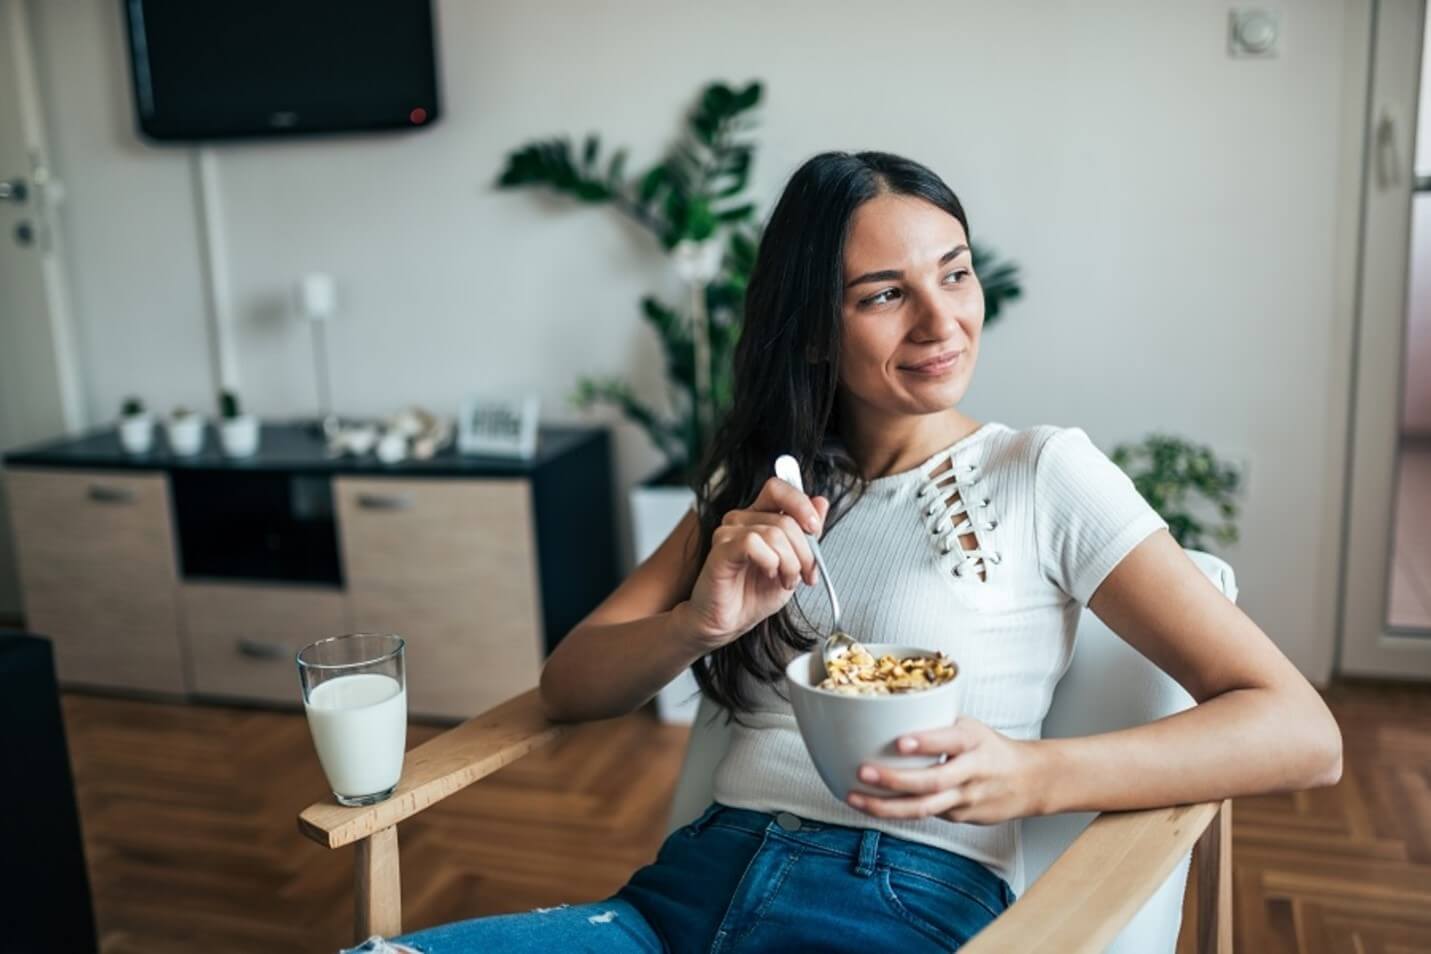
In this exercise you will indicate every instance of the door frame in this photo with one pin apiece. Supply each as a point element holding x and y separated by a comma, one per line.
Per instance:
<point>1366,647</point>
<point>64,402</point>
<point>48,193</point>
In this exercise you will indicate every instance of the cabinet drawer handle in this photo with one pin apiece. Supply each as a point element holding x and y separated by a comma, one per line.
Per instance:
<point>112,495</point>
<point>256,650</point>
<point>384,502</point>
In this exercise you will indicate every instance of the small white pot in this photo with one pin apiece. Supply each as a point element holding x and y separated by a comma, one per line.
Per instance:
<point>186,434</point>
<point>239,435</point>
<point>136,433</point>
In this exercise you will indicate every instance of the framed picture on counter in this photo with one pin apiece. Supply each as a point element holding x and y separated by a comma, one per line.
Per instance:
<point>498,427</point>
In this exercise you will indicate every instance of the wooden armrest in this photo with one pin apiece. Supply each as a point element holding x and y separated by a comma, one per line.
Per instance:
<point>1096,886</point>
<point>437,768</point>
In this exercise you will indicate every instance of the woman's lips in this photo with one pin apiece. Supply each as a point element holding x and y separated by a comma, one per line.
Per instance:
<point>941,364</point>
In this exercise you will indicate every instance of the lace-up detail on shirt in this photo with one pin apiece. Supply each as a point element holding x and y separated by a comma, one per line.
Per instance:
<point>954,509</point>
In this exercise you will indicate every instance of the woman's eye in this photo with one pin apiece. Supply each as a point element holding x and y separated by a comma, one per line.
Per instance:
<point>879,297</point>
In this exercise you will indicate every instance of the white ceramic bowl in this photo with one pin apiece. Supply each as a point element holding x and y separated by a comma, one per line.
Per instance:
<point>842,732</point>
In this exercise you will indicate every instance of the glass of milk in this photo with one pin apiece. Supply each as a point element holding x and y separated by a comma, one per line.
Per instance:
<point>355,694</point>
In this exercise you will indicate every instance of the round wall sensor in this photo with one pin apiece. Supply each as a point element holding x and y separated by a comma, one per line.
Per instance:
<point>1254,32</point>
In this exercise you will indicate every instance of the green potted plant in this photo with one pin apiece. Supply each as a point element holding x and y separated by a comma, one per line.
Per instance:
<point>136,427</point>
<point>238,432</point>
<point>1187,485</point>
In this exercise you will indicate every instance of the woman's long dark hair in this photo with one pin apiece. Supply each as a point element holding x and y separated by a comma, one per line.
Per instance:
<point>787,373</point>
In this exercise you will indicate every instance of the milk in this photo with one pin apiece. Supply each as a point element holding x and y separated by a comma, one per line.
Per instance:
<point>359,725</point>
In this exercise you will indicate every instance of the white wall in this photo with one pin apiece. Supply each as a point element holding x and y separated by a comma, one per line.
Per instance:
<point>1174,211</point>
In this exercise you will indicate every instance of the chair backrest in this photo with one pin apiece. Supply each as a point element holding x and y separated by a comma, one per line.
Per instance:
<point>1082,705</point>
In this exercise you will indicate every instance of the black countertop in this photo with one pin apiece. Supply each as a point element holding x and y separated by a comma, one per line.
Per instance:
<point>289,447</point>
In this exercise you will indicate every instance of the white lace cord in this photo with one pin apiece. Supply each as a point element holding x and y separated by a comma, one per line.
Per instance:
<point>942,509</point>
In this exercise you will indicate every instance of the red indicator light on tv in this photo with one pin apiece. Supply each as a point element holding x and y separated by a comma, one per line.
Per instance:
<point>418,116</point>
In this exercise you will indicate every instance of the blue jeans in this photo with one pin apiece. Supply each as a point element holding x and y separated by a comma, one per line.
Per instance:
<point>744,881</point>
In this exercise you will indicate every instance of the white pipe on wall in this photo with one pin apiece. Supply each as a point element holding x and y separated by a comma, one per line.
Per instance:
<point>218,294</point>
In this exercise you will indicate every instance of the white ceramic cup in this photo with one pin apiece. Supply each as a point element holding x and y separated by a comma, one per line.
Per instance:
<point>842,732</point>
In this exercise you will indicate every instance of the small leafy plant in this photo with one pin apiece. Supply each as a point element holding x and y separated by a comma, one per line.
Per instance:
<point>1187,485</point>
<point>132,407</point>
<point>229,405</point>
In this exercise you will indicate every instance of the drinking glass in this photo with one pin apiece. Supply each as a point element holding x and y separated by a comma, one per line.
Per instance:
<point>355,694</point>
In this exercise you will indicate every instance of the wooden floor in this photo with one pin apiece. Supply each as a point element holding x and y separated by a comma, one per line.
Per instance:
<point>189,825</point>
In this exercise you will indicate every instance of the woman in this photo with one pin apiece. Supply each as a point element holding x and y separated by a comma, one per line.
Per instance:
<point>862,331</point>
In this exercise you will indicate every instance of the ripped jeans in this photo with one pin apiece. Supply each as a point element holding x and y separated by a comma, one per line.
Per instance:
<point>744,881</point>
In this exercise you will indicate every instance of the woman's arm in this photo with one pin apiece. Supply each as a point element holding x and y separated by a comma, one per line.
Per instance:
<point>1259,726</point>
<point>670,612</point>
<point>631,645</point>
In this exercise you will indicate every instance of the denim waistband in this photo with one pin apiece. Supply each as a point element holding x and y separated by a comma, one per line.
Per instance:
<point>865,847</point>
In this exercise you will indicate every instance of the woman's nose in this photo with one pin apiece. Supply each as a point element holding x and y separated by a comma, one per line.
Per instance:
<point>939,319</point>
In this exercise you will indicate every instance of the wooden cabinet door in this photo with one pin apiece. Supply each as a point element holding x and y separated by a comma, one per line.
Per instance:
<point>243,637</point>
<point>449,565</point>
<point>97,574</point>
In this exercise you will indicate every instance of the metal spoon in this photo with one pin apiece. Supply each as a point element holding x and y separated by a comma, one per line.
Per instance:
<point>839,642</point>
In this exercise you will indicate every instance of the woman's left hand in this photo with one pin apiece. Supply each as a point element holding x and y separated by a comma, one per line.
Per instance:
<point>986,778</point>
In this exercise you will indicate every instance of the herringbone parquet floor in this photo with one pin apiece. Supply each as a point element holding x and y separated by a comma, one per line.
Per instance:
<point>190,824</point>
<point>189,812</point>
<point>1348,868</point>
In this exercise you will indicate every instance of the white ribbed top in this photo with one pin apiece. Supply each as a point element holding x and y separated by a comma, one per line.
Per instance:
<point>1050,515</point>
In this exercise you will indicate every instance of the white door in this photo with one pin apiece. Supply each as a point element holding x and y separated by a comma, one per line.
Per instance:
<point>1372,642</point>
<point>38,388</point>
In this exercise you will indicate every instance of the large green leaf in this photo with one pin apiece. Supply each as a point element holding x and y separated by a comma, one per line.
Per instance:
<point>616,170</point>
<point>549,163</point>
<point>652,182</point>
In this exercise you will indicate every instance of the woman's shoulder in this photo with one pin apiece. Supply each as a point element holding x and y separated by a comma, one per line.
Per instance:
<point>1014,446</point>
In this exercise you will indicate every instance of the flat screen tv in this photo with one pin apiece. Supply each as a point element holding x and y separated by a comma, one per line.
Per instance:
<point>221,69</point>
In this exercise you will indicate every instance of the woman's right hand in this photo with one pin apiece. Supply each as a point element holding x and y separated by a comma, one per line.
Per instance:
<point>758,556</point>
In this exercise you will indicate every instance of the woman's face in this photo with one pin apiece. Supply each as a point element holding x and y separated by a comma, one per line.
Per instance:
<point>913,308</point>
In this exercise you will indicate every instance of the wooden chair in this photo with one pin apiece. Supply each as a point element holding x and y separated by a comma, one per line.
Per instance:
<point>1098,874</point>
